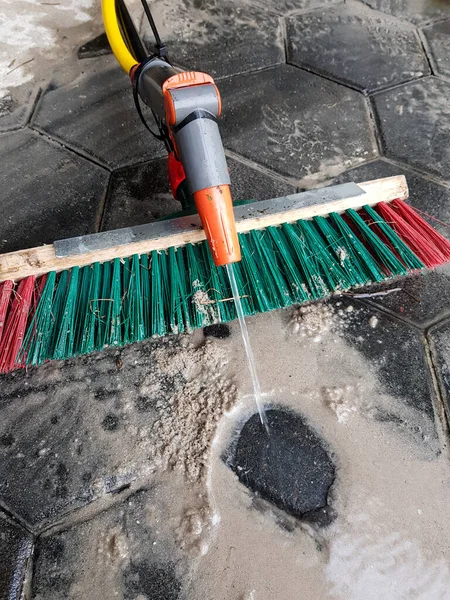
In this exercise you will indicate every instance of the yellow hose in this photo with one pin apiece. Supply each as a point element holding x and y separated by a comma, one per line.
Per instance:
<point>118,46</point>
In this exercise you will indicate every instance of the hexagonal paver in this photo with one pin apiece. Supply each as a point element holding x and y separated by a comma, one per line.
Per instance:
<point>424,297</point>
<point>439,338</point>
<point>16,548</point>
<point>295,122</point>
<point>395,349</point>
<point>142,194</point>
<point>76,431</point>
<point>95,114</point>
<point>47,191</point>
<point>120,554</point>
<point>16,106</point>
<point>438,40</point>
<point>415,11</point>
<point>356,45</point>
<point>200,34</point>
<point>415,124</point>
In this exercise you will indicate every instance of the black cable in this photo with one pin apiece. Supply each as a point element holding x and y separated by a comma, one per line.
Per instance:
<point>160,46</point>
<point>136,47</point>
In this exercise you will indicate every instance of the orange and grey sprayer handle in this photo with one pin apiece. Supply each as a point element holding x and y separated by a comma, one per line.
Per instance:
<point>190,105</point>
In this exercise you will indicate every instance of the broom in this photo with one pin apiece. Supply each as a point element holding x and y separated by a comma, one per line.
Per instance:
<point>84,294</point>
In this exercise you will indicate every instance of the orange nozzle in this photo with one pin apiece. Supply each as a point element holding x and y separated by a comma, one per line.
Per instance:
<point>216,213</point>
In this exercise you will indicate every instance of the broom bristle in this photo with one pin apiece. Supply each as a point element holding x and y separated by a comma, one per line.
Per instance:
<point>126,300</point>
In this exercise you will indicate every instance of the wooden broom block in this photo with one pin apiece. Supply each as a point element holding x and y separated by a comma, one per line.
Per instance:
<point>38,261</point>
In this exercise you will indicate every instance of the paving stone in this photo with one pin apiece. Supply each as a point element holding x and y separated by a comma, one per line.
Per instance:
<point>95,47</point>
<point>294,122</point>
<point>16,548</point>
<point>438,39</point>
<point>16,106</point>
<point>47,192</point>
<point>96,115</point>
<point>221,37</point>
<point>141,194</point>
<point>439,338</point>
<point>292,468</point>
<point>415,11</point>
<point>356,45</point>
<point>220,331</point>
<point>415,124</point>
<point>395,350</point>
<point>118,554</point>
<point>423,297</point>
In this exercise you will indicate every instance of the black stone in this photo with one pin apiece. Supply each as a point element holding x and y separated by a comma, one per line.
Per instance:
<point>437,37</point>
<point>89,556</point>
<point>48,193</point>
<point>16,549</point>
<point>356,45</point>
<point>415,124</point>
<point>423,297</point>
<point>292,468</point>
<point>220,331</point>
<point>417,11</point>
<point>110,422</point>
<point>96,115</point>
<point>294,122</point>
<point>95,47</point>
<point>221,37</point>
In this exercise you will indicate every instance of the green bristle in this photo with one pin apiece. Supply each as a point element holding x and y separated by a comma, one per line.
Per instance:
<point>176,317</point>
<point>244,289</point>
<point>359,255</point>
<point>57,311</point>
<point>268,256</point>
<point>383,254</point>
<point>66,328</point>
<point>125,308</point>
<point>332,274</point>
<point>407,256</point>
<point>184,296</point>
<point>219,286</point>
<point>157,300</point>
<point>257,280</point>
<point>336,242</point>
<point>198,298</point>
<point>291,254</point>
<point>104,306</point>
<point>164,269</point>
<point>91,318</point>
<point>309,261</point>
<point>82,307</point>
<point>145,294</point>
<point>37,339</point>
<point>133,312</point>
<point>114,315</point>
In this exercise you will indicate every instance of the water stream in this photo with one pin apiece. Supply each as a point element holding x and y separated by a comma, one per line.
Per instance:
<point>248,348</point>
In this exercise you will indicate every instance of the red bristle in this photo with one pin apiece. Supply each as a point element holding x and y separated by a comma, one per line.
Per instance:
<point>408,213</point>
<point>15,325</point>
<point>422,248</point>
<point>6,289</point>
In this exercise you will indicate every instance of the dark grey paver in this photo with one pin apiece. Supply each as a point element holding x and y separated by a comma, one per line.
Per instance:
<point>295,122</point>
<point>395,350</point>
<point>47,192</point>
<point>16,548</point>
<point>118,554</point>
<point>142,193</point>
<point>415,124</point>
<point>438,40</point>
<point>95,47</point>
<point>291,468</point>
<point>16,106</point>
<point>95,114</point>
<point>415,11</point>
<point>356,45</point>
<point>220,38</point>
<point>439,338</point>
<point>424,297</point>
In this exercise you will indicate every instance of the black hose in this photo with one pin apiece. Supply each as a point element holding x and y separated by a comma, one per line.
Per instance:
<point>131,36</point>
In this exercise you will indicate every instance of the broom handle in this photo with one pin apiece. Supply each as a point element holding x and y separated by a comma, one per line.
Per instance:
<point>39,261</point>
